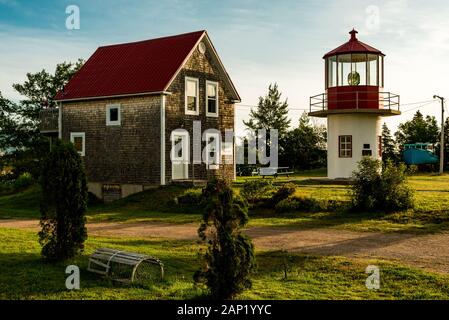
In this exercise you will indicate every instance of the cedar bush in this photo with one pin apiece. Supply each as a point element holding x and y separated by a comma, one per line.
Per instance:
<point>283,192</point>
<point>63,205</point>
<point>257,189</point>
<point>381,188</point>
<point>229,259</point>
<point>190,197</point>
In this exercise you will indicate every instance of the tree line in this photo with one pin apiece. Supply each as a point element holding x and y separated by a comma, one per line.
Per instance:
<point>303,146</point>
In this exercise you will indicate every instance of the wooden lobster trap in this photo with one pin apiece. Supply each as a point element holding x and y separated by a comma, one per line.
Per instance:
<point>126,267</point>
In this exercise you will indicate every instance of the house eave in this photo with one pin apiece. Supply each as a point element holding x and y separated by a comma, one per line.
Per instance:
<point>154,93</point>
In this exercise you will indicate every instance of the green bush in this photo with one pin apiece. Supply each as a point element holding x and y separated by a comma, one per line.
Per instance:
<point>23,181</point>
<point>298,204</point>
<point>190,198</point>
<point>257,189</point>
<point>63,204</point>
<point>412,169</point>
<point>283,192</point>
<point>229,259</point>
<point>381,188</point>
<point>304,204</point>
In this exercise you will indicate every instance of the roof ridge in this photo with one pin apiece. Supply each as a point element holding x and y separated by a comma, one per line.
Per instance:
<point>153,39</point>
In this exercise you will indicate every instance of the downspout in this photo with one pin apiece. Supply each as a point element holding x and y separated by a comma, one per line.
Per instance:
<point>60,121</point>
<point>163,99</point>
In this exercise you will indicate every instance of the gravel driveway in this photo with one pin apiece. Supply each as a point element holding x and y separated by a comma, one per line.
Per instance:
<point>426,251</point>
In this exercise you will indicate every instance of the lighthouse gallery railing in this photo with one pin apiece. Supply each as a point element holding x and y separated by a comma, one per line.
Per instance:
<point>356,99</point>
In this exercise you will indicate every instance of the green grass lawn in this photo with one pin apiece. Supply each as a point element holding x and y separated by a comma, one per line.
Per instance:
<point>430,215</point>
<point>24,275</point>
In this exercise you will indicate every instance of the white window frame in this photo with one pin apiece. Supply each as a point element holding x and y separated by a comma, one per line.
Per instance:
<point>108,115</point>
<point>212,114</point>
<point>82,135</point>
<point>216,137</point>
<point>345,146</point>
<point>197,107</point>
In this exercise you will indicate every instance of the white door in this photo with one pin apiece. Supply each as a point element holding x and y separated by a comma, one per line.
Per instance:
<point>180,165</point>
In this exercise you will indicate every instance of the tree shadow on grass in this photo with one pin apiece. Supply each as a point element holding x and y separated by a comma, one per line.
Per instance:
<point>28,276</point>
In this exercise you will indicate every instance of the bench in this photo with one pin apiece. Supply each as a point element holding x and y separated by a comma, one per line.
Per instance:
<point>275,171</point>
<point>127,267</point>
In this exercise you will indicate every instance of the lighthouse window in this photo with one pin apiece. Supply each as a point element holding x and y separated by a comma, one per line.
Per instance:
<point>344,69</point>
<point>345,146</point>
<point>381,71</point>
<point>372,69</point>
<point>358,69</point>
<point>332,72</point>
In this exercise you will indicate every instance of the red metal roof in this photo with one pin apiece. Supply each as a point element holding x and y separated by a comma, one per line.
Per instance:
<point>353,46</point>
<point>130,68</point>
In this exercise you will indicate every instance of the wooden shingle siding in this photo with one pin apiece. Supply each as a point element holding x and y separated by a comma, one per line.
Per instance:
<point>201,67</point>
<point>125,154</point>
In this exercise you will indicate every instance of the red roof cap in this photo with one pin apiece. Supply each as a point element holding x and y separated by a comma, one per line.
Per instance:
<point>130,68</point>
<point>353,46</point>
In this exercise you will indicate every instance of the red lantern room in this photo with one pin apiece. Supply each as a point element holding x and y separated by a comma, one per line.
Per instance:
<point>354,79</point>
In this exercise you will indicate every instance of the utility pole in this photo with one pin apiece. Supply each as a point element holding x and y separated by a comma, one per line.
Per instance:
<point>442,133</point>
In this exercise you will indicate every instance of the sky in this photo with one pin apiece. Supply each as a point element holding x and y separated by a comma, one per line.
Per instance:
<point>260,42</point>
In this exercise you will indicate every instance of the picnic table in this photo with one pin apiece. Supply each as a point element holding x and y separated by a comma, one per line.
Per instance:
<point>275,171</point>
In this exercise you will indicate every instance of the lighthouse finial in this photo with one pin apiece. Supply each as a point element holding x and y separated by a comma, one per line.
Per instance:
<point>353,34</point>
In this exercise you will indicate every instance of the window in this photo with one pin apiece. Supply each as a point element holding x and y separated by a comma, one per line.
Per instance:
<point>212,150</point>
<point>79,142</point>
<point>367,153</point>
<point>191,96</point>
<point>332,71</point>
<point>212,99</point>
<point>372,69</point>
<point>180,146</point>
<point>345,146</point>
<point>358,69</point>
<point>113,115</point>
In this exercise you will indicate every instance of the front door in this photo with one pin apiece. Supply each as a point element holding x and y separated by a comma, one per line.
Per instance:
<point>180,165</point>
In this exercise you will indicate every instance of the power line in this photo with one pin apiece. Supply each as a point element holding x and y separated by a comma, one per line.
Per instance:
<point>421,104</point>
<point>254,106</point>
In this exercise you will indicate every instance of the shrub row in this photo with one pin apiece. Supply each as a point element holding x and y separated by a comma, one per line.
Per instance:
<point>305,204</point>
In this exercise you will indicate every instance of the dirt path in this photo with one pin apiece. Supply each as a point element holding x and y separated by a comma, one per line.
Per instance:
<point>425,251</point>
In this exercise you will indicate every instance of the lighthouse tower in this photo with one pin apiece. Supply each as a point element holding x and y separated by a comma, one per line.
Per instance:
<point>354,104</point>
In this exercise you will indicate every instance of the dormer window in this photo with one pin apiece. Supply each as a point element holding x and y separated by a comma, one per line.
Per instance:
<point>191,96</point>
<point>212,99</point>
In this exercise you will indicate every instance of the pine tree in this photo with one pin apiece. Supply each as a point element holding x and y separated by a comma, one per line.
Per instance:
<point>229,260</point>
<point>389,149</point>
<point>271,113</point>
<point>63,205</point>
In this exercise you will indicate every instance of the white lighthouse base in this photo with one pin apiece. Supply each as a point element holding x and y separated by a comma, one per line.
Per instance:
<point>365,130</point>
